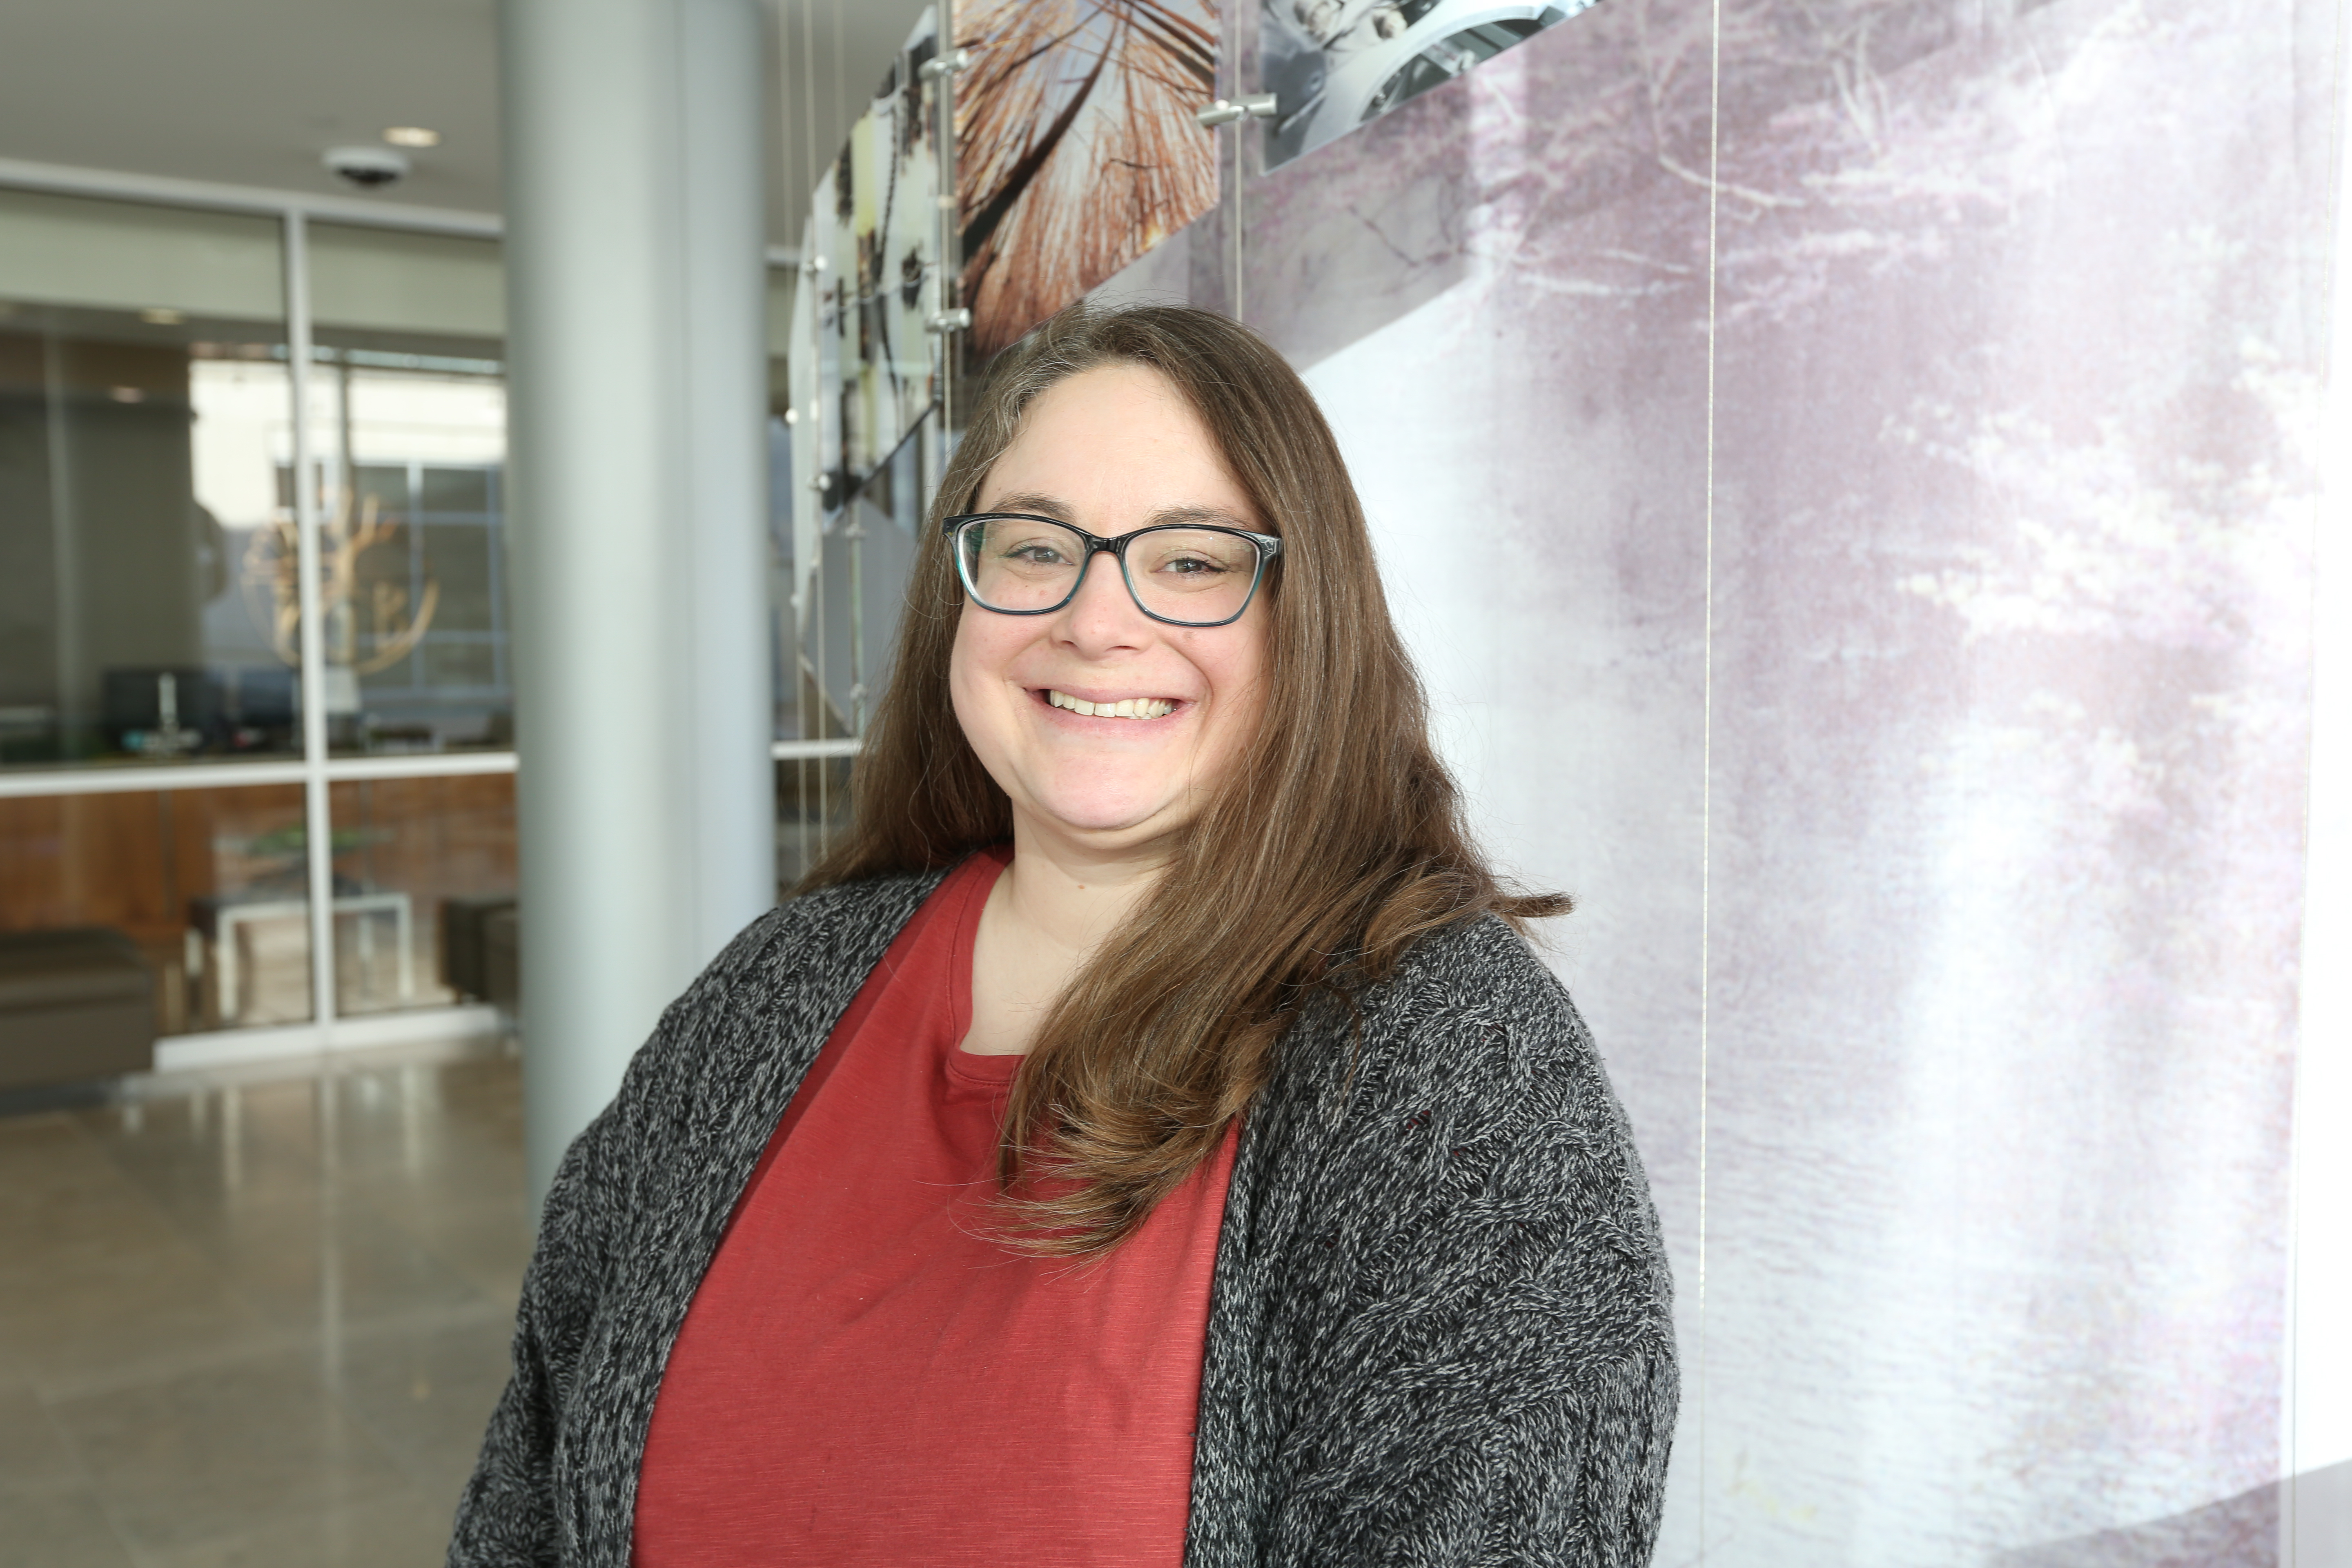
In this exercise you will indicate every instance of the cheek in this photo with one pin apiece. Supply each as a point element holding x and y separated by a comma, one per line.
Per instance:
<point>968,673</point>
<point>978,691</point>
<point>1236,672</point>
<point>986,644</point>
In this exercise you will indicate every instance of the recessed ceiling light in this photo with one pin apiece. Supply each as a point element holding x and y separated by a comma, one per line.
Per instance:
<point>163,316</point>
<point>126,395</point>
<point>411,136</point>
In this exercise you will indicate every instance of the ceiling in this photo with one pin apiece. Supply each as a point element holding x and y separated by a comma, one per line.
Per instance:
<point>251,92</point>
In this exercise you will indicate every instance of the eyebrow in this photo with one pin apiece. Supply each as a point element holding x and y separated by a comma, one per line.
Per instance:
<point>1062,511</point>
<point>1029,500</point>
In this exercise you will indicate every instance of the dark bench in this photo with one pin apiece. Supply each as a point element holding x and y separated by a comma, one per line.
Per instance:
<point>74,1005</point>
<point>478,957</point>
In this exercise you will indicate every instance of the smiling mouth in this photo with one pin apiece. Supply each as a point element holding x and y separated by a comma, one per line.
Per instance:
<point>1124,708</point>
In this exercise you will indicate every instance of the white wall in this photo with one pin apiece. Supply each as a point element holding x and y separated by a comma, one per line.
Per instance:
<point>123,256</point>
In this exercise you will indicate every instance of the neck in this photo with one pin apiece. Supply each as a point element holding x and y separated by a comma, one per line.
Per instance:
<point>1046,915</point>
<point>1073,894</point>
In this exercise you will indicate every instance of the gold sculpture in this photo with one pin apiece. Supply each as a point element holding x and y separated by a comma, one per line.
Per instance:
<point>271,580</point>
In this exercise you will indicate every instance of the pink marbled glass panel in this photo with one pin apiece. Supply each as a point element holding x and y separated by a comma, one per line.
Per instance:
<point>1945,754</point>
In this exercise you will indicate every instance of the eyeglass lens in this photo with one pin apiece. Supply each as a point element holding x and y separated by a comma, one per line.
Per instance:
<point>1199,575</point>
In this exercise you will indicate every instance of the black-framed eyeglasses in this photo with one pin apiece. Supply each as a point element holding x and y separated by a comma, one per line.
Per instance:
<point>1187,574</point>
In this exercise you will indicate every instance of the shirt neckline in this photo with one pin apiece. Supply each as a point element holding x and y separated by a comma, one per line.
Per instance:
<point>972,1066</point>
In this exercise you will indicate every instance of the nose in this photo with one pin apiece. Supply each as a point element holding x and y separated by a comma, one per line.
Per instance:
<point>1101,616</point>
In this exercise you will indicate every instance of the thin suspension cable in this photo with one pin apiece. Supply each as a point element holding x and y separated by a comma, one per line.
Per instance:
<point>1707,737</point>
<point>1240,132</point>
<point>808,104</point>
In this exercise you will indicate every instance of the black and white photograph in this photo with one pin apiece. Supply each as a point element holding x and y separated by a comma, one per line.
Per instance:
<point>1334,64</point>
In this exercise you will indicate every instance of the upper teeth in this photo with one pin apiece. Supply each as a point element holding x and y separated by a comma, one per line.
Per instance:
<point>1124,708</point>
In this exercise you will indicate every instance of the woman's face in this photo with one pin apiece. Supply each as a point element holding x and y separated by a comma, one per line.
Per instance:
<point>1110,450</point>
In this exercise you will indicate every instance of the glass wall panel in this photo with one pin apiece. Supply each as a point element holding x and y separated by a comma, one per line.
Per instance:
<point>407,420</point>
<point>864,553</point>
<point>144,544</point>
<point>782,638</point>
<point>840,584</point>
<point>843,570</point>
<point>419,865</point>
<point>811,807</point>
<point>1892,624</point>
<point>209,884</point>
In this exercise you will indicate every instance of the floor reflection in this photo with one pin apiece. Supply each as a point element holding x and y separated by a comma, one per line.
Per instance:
<point>258,1324</point>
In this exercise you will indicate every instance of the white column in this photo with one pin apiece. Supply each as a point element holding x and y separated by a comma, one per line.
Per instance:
<point>726,408</point>
<point>636,329</point>
<point>317,820</point>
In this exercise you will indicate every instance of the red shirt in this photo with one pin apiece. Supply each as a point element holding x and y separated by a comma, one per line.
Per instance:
<point>865,1378</point>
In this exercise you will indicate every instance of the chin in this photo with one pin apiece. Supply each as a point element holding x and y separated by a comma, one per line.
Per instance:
<point>1100,810</point>
<point>1099,819</point>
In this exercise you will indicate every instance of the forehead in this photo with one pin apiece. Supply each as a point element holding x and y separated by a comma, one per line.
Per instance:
<point>1116,441</point>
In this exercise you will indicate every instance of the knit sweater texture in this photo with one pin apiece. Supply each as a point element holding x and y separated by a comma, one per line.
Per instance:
<point>1439,1328</point>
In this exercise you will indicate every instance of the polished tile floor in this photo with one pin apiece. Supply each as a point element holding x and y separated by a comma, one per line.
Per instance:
<point>258,1324</point>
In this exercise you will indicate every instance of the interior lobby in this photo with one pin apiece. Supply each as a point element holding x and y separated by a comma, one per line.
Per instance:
<point>460,466</point>
<point>264,1203</point>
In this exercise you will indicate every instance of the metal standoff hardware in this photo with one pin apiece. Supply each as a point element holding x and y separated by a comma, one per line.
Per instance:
<point>1225,111</point>
<point>945,65</point>
<point>956,320</point>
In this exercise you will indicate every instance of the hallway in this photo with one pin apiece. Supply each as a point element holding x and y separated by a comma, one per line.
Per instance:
<point>260,1323</point>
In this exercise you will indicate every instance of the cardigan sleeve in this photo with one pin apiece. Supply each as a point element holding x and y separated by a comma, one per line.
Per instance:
<point>638,1203</point>
<point>1484,1371</point>
<point>524,1504</point>
<point>506,1517</point>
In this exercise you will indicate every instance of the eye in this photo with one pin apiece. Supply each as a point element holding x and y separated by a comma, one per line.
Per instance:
<point>1193,558</point>
<point>1030,546</point>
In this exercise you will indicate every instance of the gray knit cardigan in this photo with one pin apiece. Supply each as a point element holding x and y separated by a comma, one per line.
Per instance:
<point>1438,1326</point>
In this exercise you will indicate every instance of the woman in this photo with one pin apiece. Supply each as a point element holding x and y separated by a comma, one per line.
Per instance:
<point>1146,1139</point>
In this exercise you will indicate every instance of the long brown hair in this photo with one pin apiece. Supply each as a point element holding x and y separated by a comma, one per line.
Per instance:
<point>1337,838</point>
